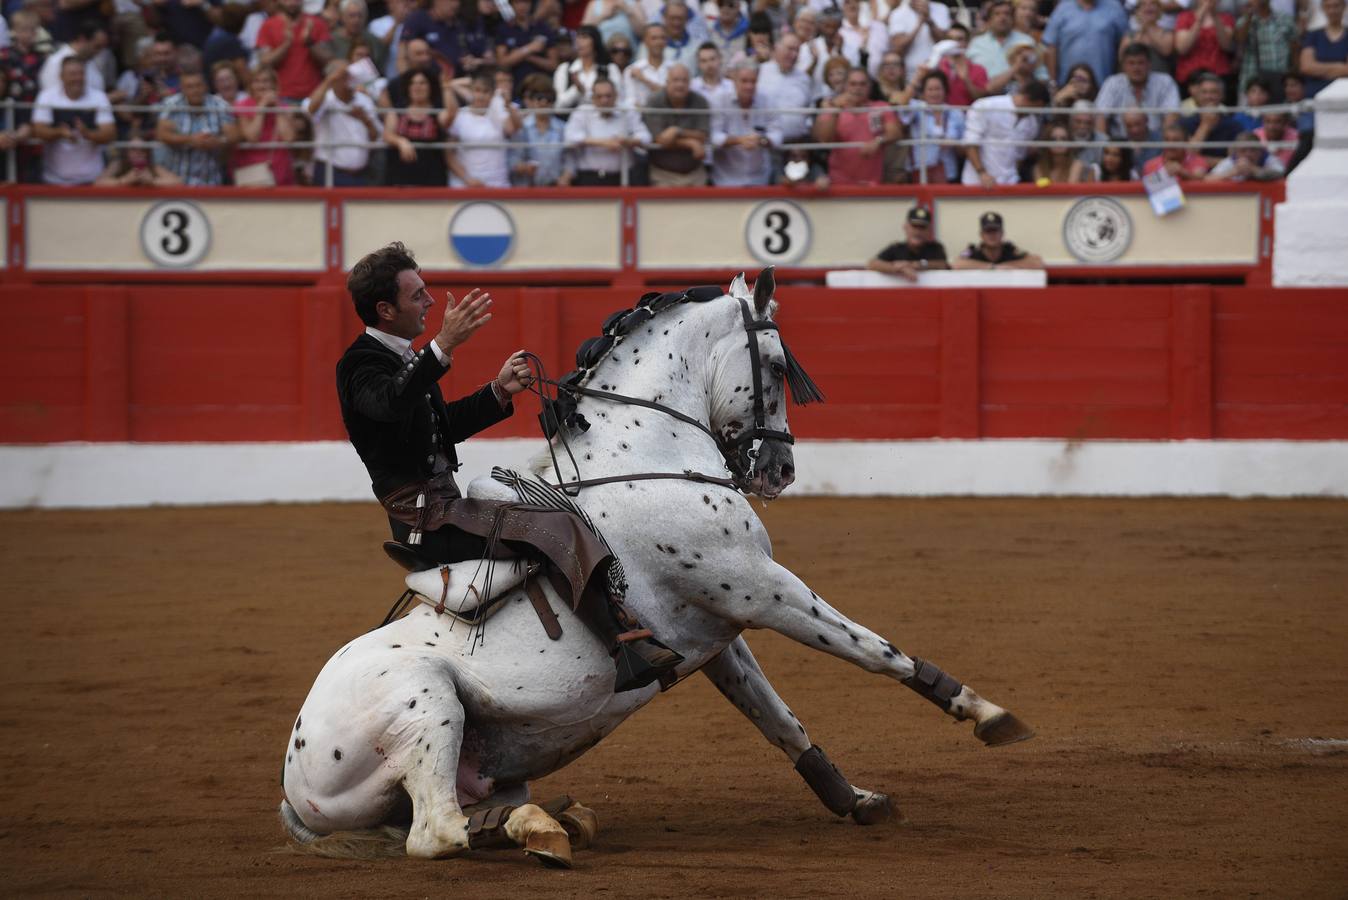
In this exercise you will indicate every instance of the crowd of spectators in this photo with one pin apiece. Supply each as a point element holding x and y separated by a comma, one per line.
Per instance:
<point>506,93</point>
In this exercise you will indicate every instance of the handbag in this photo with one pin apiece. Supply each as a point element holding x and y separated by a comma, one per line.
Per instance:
<point>258,174</point>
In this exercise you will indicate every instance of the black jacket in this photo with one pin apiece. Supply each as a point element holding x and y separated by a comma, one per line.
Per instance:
<point>396,417</point>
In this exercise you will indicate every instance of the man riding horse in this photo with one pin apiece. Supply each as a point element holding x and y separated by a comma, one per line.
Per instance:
<point>405,434</point>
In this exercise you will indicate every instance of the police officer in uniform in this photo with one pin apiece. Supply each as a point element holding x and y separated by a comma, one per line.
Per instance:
<point>994,252</point>
<point>918,252</point>
<point>405,433</point>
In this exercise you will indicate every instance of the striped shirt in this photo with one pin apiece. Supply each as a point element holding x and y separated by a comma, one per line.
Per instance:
<point>193,166</point>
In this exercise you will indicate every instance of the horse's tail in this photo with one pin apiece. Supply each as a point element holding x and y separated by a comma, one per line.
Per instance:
<point>368,843</point>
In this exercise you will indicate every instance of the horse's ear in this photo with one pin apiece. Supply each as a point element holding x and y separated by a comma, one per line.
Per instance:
<point>739,288</point>
<point>764,286</point>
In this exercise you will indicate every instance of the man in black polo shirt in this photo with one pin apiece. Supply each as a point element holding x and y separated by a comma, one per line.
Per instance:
<point>992,252</point>
<point>917,253</point>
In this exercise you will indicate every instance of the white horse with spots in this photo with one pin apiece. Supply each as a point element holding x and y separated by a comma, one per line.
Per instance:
<point>418,727</point>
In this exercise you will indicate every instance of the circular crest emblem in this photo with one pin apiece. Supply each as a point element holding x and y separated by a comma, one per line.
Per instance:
<point>1097,230</point>
<point>175,234</point>
<point>481,233</point>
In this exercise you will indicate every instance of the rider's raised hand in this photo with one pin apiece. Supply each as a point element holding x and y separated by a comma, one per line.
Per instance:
<point>463,318</point>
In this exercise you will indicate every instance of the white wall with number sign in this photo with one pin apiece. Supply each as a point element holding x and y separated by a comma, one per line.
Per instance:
<point>509,235</point>
<point>172,234</point>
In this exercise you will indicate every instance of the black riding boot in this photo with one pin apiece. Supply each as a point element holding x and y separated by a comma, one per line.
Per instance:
<point>638,656</point>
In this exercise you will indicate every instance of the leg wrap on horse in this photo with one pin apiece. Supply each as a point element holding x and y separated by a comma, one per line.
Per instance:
<point>486,828</point>
<point>934,684</point>
<point>826,781</point>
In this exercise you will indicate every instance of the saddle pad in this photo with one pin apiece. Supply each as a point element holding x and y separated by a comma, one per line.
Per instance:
<point>537,492</point>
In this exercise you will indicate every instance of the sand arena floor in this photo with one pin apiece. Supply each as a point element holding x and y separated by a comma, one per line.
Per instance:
<point>1185,663</point>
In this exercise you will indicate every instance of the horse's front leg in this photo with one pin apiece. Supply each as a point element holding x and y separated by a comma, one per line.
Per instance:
<point>771,596</point>
<point>737,676</point>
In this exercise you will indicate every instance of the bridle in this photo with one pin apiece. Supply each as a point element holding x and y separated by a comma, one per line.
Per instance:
<point>739,453</point>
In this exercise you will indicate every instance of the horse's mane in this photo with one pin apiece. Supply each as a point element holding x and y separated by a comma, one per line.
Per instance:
<point>593,351</point>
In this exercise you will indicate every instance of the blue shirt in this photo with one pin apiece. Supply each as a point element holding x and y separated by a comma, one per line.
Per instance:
<point>451,41</point>
<point>195,167</point>
<point>1326,51</point>
<point>549,159</point>
<point>1089,36</point>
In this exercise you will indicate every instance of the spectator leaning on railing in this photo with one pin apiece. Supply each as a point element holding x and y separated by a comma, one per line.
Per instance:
<point>601,134</point>
<point>991,130</point>
<point>1247,163</point>
<point>263,166</point>
<point>540,160</point>
<point>424,121</point>
<point>743,133</point>
<point>993,251</point>
<point>198,131</point>
<point>925,123</point>
<point>680,128</point>
<point>74,120</point>
<point>917,252</point>
<point>489,118</point>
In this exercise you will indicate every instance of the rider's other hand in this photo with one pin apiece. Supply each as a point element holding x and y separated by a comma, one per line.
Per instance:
<point>463,318</point>
<point>515,375</point>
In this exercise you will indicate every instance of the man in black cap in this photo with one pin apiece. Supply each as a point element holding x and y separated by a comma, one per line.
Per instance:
<point>917,253</point>
<point>992,252</point>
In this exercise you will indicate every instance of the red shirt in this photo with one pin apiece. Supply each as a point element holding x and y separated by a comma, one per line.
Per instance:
<point>297,74</point>
<point>1192,163</point>
<point>959,94</point>
<point>1206,53</point>
<point>846,165</point>
<point>279,159</point>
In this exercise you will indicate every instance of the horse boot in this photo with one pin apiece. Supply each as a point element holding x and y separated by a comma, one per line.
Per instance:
<point>639,658</point>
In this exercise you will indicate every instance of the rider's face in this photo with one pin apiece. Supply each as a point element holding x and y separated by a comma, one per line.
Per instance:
<point>406,318</point>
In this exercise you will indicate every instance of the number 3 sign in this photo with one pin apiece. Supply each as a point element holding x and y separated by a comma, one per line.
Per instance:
<point>778,231</point>
<point>175,234</point>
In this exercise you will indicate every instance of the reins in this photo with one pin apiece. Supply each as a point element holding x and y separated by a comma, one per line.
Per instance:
<point>739,455</point>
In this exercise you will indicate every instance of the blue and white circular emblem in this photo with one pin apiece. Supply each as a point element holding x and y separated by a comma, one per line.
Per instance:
<point>481,234</point>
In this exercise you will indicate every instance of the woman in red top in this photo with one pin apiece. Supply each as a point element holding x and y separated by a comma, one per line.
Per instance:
<point>254,167</point>
<point>423,122</point>
<point>1204,39</point>
<point>874,128</point>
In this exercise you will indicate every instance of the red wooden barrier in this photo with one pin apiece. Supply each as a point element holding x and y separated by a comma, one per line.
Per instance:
<point>197,363</point>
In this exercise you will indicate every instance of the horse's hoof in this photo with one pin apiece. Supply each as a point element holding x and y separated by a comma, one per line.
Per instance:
<point>1003,728</point>
<point>873,808</point>
<point>551,848</point>
<point>581,825</point>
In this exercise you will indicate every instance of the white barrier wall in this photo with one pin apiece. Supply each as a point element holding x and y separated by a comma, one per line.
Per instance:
<point>1311,236</point>
<point>109,475</point>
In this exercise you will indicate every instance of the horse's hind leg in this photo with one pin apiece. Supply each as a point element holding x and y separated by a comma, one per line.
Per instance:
<point>738,677</point>
<point>439,826</point>
<point>773,597</point>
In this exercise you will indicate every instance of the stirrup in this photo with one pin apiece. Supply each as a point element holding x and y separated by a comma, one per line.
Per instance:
<point>641,661</point>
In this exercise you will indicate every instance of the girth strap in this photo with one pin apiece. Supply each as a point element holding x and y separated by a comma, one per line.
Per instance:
<point>539,600</point>
<point>650,476</point>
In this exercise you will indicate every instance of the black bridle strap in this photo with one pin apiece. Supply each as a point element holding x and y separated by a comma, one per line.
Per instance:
<point>635,401</point>
<point>760,429</point>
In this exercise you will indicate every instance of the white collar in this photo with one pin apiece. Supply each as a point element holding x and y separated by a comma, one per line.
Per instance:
<point>397,344</point>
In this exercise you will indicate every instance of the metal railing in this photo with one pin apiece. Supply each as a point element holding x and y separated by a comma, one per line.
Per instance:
<point>921,142</point>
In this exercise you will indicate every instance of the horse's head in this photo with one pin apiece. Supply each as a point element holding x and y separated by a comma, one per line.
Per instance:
<point>751,371</point>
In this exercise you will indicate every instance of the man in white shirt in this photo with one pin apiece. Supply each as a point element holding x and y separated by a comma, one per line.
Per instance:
<point>785,88</point>
<point>709,82</point>
<point>649,73</point>
<point>74,120</point>
<point>342,116</point>
<point>601,135</point>
<point>743,134</point>
<point>914,28</point>
<point>992,129</point>
<point>87,42</point>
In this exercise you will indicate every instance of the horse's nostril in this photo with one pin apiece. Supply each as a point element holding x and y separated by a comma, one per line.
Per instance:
<point>788,472</point>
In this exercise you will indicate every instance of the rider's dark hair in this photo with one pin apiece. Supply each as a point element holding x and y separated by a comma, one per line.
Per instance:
<point>375,279</point>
